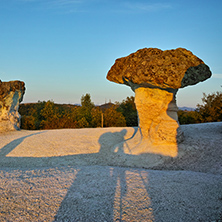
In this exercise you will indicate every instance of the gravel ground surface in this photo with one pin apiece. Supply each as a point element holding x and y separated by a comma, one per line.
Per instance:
<point>66,175</point>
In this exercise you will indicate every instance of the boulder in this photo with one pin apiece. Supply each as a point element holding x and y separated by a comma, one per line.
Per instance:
<point>150,67</point>
<point>11,94</point>
<point>155,76</point>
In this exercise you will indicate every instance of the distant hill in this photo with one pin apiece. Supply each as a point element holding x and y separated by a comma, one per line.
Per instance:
<point>106,106</point>
<point>57,104</point>
<point>186,108</point>
<point>103,106</point>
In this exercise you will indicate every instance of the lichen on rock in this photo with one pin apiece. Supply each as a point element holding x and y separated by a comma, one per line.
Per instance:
<point>164,69</point>
<point>11,94</point>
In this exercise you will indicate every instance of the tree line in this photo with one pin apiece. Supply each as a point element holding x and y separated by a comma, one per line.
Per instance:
<point>49,115</point>
<point>209,111</point>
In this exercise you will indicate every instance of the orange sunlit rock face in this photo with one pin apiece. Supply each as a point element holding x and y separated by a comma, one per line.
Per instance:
<point>156,124</point>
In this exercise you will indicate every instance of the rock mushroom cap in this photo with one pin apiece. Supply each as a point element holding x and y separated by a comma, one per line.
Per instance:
<point>7,87</point>
<point>176,68</point>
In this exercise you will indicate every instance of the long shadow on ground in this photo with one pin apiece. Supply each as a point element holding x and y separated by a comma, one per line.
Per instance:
<point>120,194</point>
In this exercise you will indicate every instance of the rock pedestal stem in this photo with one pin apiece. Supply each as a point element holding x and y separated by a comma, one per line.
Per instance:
<point>157,112</point>
<point>11,94</point>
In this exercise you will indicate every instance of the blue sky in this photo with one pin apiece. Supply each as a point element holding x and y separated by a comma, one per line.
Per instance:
<point>63,49</point>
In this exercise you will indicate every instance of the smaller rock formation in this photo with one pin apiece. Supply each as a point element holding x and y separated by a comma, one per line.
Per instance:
<point>11,94</point>
<point>155,76</point>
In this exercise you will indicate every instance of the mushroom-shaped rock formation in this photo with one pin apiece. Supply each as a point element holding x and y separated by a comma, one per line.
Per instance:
<point>155,76</point>
<point>11,94</point>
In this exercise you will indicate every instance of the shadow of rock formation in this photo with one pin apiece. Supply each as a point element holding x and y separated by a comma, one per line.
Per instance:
<point>90,187</point>
<point>109,146</point>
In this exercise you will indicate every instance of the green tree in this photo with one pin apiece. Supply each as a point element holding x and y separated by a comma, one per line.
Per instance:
<point>128,109</point>
<point>96,113</point>
<point>28,122</point>
<point>188,117</point>
<point>211,110</point>
<point>86,108</point>
<point>69,118</point>
<point>86,101</point>
<point>50,116</point>
<point>82,123</point>
<point>113,118</point>
<point>31,116</point>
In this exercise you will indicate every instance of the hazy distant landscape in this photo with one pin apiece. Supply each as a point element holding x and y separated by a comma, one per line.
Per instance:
<point>49,115</point>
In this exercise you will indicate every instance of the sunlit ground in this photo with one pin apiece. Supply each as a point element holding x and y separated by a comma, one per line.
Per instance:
<point>65,175</point>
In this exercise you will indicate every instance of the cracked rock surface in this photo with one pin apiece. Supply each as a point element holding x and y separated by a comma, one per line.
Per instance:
<point>176,68</point>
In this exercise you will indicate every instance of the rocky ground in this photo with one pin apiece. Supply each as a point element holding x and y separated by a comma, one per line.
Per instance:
<point>76,175</point>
